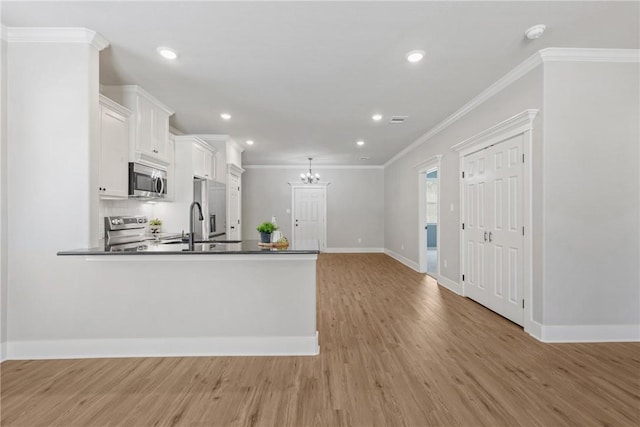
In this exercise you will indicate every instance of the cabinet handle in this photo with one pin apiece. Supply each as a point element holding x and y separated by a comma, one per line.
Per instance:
<point>485,236</point>
<point>490,236</point>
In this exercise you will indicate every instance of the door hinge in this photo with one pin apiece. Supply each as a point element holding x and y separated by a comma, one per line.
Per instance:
<point>463,277</point>
<point>462,174</point>
<point>463,225</point>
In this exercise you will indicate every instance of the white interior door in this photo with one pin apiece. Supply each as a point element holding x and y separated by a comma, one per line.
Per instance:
<point>309,214</point>
<point>476,230</point>
<point>493,234</point>
<point>506,239</point>
<point>233,216</point>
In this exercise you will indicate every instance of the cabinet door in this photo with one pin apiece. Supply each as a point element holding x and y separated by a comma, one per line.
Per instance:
<point>145,127</point>
<point>160,134</point>
<point>114,145</point>
<point>197,156</point>
<point>208,165</point>
<point>170,169</point>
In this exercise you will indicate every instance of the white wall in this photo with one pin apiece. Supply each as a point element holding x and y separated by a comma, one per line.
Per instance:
<point>355,204</point>
<point>591,189</point>
<point>585,190</point>
<point>401,184</point>
<point>3,196</point>
<point>52,190</point>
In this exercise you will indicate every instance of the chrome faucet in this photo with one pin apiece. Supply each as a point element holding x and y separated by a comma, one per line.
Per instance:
<point>191,228</point>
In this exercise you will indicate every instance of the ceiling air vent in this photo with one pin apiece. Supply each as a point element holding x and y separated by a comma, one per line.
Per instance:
<point>397,119</point>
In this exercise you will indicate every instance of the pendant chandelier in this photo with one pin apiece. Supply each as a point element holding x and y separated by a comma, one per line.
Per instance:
<point>310,177</point>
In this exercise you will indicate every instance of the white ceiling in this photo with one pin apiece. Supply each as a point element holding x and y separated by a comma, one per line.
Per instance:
<point>303,78</point>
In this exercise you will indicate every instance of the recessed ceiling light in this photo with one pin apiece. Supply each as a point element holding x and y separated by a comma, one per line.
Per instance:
<point>535,32</point>
<point>225,116</point>
<point>249,142</point>
<point>167,52</point>
<point>377,117</point>
<point>361,143</point>
<point>415,55</point>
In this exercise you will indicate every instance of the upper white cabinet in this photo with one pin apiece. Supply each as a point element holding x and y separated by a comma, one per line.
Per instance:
<point>203,163</point>
<point>195,156</point>
<point>149,133</point>
<point>114,149</point>
<point>228,152</point>
<point>171,169</point>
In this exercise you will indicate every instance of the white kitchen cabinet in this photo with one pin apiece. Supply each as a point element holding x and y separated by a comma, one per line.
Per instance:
<point>114,149</point>
<point>171,170</point>
<point>149,132</point>
<point>203,163</point>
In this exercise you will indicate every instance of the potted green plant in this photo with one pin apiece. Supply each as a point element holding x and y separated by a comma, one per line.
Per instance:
<point>265,229</point>
<point>155,225</point>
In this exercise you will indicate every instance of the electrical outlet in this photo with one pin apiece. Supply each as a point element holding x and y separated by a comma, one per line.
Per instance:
<point>445,263</point>
<point>288,211</point>
<point>402,246</point>
<point>451,207</point>
<point>359,240</point>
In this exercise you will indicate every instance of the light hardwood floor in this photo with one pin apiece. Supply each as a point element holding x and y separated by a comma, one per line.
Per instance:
<point>396,350</point>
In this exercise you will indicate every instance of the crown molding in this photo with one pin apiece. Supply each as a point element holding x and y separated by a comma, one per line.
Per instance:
<point>521,70</point>
<point>557,54</point>
<point>110,90</point>
<point>56,35</point>
<point>434,160</point>
<point>233,168</point>
<point>326,167</point>
<point>512,126</point>
<point>545,55</point>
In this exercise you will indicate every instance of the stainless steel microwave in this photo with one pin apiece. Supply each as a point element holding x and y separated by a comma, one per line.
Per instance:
<point>146,182</point>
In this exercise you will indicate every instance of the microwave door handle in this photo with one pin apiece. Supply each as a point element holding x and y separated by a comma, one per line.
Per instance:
<point>161,185</point>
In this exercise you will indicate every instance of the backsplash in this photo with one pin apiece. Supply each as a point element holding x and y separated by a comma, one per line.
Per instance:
<point>127,207</point>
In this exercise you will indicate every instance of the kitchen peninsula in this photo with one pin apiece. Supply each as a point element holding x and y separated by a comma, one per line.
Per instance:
<point>162,300</point>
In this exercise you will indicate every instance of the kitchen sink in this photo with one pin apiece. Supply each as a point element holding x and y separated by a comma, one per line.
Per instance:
<point>179,242</point>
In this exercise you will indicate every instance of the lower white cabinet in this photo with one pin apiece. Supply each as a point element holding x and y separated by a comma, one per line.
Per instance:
<point>113,178</point>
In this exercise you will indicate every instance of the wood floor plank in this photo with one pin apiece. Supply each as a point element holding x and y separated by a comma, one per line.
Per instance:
<point>396,350</point>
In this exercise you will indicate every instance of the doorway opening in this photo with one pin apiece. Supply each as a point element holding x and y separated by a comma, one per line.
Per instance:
<point>429,173</point>
<point>431,227</point>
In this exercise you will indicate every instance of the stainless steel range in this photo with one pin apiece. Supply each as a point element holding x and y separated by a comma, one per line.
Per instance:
<point>125,233</point>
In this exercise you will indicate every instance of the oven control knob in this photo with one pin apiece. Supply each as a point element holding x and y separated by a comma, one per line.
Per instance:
<point>114,221</point>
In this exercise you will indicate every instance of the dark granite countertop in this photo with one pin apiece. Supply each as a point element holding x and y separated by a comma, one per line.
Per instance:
<point>152,247</point>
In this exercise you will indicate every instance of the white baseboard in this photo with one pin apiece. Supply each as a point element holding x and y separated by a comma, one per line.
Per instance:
<point>406,261</point>
<point>353,250</point>
<point>534,329</point>
<point>589,333</point>
<point>161,347</point>
<point>454,287</point>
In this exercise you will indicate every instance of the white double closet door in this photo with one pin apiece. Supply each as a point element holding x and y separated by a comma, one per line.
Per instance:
<point>493,228</point>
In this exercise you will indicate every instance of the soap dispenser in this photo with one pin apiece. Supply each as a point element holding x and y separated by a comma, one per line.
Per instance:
<point>277,234</point>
